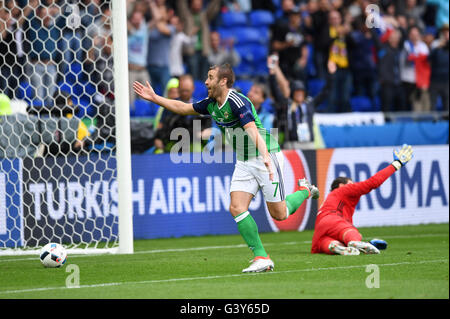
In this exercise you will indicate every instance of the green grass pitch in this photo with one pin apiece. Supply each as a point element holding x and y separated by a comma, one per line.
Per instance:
<point>415,265</point>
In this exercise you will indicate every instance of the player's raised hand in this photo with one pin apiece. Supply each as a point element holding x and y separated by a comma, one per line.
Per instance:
<point>404,155</point>
<point>146,92</point>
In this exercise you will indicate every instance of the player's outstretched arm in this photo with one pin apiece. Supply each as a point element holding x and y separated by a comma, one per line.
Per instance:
<point>401,157</point>
<point>147,93</point>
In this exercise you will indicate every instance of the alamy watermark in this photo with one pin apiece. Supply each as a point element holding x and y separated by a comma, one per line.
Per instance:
<point>73,279</point>
<point>373,18</point>
<point>213,151</point>
<point>373,279</point>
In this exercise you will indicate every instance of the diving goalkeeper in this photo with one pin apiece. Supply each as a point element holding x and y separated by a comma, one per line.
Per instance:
<point>334,232</point>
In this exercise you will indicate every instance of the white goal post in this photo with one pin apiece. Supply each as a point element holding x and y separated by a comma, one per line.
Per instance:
<point>123,127</point>
<point>65,153</point>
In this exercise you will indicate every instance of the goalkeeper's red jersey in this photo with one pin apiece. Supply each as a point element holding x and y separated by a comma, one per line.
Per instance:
<point>343,200</point>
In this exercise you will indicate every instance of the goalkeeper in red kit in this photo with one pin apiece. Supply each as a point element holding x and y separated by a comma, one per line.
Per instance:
<point>334,232</point>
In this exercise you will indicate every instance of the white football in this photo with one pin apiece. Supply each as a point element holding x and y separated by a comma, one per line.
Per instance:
<point>53,255</point>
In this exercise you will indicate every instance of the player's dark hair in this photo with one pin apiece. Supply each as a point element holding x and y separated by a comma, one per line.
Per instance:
<point>225,71</point>
<point>339,180</point>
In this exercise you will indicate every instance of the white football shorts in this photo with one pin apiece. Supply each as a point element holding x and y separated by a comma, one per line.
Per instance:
<point>252,175</point>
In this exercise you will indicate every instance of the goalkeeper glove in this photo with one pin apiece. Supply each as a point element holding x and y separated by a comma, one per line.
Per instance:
<point>402,156</point>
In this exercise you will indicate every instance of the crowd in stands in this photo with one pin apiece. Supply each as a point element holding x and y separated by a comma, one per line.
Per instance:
<point>386,55</point>
<point>291,57</point>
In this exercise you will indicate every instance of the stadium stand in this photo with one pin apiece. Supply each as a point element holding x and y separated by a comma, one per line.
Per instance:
<point>252,35</point>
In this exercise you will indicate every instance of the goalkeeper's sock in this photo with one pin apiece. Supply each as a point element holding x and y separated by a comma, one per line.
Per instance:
<point>294,200</point>
<point>249,231</point>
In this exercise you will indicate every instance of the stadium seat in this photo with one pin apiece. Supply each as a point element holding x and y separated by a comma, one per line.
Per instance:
<point>243,85</point>
<point>75,67</point>
<point>85,108</point>
<point>246,35</point>
<point>232,19</point>
<point>78,89</point>
<point>244,69</point>
<point>315,86</point>
<point>65,87</point>
<point>310,64</point>
<point>226,33</point>
<point>260,18</point>
<point>89,89</point>
<point>25,91</point>
<point>74,74</point>
<point>144,108</point>
<point>268,106</point>
<point>260,68</point>
<point>200,90</point>
<point>377,101</point>
<point>264,33</point>
<point>361,104</point>
<point>252,52</point>
<point>439,104</point>
<point>37,103</point>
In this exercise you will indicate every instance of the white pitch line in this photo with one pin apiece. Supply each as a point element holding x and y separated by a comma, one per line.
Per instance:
<point>214,277</point>
<point>169,250</point>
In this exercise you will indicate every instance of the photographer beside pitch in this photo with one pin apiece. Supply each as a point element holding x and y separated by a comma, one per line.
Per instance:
<point>259,162</point>
<point>334,232</point>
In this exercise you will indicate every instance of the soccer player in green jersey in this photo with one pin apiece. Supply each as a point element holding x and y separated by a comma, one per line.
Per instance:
<point>259,159</point>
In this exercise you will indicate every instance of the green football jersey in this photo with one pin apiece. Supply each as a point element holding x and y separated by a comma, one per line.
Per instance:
<point>231,117</point>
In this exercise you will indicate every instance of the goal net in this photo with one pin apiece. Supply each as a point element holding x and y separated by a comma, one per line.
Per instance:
<point>59,151</point>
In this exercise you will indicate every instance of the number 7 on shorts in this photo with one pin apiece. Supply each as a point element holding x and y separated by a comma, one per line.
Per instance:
<point>276,188</point>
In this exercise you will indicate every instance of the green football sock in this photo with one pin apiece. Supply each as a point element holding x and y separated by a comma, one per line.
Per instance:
<point>294,200</point>
<point>249,231</point>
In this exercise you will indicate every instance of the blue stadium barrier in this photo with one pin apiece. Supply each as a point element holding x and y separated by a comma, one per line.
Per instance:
<point>414,133</point>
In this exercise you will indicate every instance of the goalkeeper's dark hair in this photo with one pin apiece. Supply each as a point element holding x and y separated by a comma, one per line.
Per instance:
<point>225,71</point>
<point>339,180</point>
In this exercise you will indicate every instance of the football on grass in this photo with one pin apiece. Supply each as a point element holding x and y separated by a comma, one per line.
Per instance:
<point>53,255</point>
